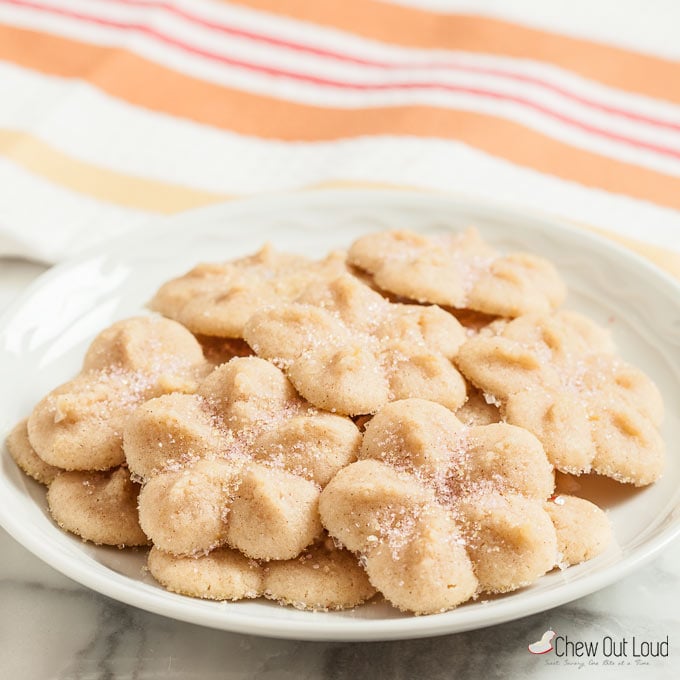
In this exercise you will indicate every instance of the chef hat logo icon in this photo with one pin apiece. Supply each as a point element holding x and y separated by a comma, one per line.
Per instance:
<point>544,645</point>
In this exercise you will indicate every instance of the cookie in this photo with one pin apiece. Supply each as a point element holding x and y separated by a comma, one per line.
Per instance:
<point>348,350</point>
<point>458,270</point>
<point>79,425</point>
<point>222,574</point>
<point>583,529</point>
<point>97,506</point>
<point>316,432</point>
<point>440,512</point>
<point>26,458</point>
<point>216,299</point>
<point>242,454</point>
<point>559,377</point>
<point>323,577</point>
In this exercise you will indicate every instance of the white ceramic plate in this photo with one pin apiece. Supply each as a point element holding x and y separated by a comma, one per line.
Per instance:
<point>44,335</point>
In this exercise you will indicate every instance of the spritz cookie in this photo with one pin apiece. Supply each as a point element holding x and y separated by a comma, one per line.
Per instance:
<point>222,574</point>
<point>321,578</point>
<point>97,506</point>
<point>79,425</point>
<point>583,529</point>
<point>239,463</point>
<point>440,512</point>
<point>26,458</point>
<point>558,376</point>
<point>458,270</point>
<point>346,349</point>
<point>217,299</point>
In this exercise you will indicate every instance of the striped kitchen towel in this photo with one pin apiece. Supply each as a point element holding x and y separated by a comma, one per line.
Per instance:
<point>113,111</point>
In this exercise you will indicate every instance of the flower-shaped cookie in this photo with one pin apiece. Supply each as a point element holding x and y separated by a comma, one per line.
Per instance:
<point>79,425</point>
<point>458,270</point>
<point>440,512</point>
<point>102,507</point>
<point>347,349</point>
<point>583,530</point>
<point>26,458</point>
<point>97,506</point>
<point>558,376</point>
<point>216,299</point>
<point>239,463</point>
<point>322,577</point>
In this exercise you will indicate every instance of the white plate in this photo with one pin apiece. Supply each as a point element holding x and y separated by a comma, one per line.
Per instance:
<point>44,335</point>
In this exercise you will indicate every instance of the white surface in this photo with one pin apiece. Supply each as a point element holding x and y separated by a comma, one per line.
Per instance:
<point>44,338</point>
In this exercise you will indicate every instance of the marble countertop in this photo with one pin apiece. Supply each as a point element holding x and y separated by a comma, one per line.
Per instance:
<point>53,628</point>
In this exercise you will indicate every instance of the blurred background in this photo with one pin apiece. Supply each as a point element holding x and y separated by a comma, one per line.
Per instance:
<point>114,112</point>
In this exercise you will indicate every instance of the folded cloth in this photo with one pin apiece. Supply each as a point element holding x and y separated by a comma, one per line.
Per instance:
<point>116,111</point>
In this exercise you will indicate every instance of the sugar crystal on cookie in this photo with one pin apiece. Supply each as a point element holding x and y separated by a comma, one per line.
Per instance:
<point>348,350</point>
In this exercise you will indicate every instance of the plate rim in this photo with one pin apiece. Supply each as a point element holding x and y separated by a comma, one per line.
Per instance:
<point>178,606</point>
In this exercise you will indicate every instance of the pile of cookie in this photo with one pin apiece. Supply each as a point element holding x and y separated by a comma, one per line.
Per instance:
<point>387,420</point>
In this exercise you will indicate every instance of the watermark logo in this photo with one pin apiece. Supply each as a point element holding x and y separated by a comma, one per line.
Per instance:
<point>544,645</point>
<point>607,651</point>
